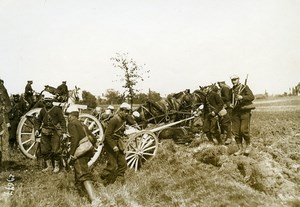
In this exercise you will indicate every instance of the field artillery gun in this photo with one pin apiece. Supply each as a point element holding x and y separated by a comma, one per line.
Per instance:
<point>142,145</point>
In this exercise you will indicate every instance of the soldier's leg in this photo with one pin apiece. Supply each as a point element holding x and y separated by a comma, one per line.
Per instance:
<point>56,150</point>
<point>215,129</point>
<point>206,129</point>
<point>236,124</point>
<point>245,130</point>
<point>108,173</point>
<point>122,166</point>
<point>45,146</point>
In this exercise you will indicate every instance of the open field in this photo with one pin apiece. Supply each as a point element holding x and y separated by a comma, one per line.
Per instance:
<point>200,174</point>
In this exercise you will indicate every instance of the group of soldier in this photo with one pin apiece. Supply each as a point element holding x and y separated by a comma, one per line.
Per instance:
<point>227,113</point>
<point>13,108</point>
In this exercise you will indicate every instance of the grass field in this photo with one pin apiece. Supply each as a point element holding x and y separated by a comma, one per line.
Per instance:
<point>200,174</point>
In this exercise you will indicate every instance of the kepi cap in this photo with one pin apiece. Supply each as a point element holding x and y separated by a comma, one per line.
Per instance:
<point>125,106</point>
<point>111,107</point>
<point>72,110</point>
<point>233,77</point>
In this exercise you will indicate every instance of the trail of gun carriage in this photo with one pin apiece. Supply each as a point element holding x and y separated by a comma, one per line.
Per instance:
<point>171,162</point>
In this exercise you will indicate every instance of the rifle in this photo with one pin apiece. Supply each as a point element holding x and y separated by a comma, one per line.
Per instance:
<point>234,102</point>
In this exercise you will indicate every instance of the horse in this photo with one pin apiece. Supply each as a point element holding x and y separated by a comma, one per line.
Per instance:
<point>164,110</point>
<point>198,98</point>
<point>73,97</point>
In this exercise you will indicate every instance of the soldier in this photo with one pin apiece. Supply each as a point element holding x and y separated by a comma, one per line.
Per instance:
<point>107,115</point>
<point>28,95</point>
<point>212,106</point>
<point>114,133</point>
<point>52,124</point>
<point>242,97</point>
<point>14,115</point>
<point>225,121</point>
<point>83,176</point>
<point>62,92</point>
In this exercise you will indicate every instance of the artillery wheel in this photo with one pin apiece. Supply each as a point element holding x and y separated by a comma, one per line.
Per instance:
<point>141,146</point>
<point>28,143</point>
<point>96,128</point>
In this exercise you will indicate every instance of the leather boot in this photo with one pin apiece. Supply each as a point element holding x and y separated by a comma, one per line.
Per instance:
<point>240,151</point>
<point>89,187</point>
<point>248,149</point>
<point>218,138</point>
<point>228,141</point>
<point>56,166</point>
<point>49,166</point>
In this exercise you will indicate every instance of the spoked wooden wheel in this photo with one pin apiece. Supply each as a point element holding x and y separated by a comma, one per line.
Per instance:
<point>28,143</point>
<point>96,128</point>
<point>141,146</point>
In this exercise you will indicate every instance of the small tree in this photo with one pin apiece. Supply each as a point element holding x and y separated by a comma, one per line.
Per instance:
<point>133,73</point>
<point>89,99</point>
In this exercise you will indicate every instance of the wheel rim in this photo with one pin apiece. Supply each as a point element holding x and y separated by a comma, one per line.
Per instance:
<point>28,143</point>
<point>141,146</point>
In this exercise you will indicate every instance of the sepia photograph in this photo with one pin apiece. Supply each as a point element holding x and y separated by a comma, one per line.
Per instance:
<point>162,103</point>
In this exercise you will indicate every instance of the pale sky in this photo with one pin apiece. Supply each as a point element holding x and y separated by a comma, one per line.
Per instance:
<point>184,43</point>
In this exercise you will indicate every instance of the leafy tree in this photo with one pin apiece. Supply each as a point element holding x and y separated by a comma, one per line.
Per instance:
<point>154,96</point>
<point>133,73</point>
<point>89,99</point>
<point>113,97</point>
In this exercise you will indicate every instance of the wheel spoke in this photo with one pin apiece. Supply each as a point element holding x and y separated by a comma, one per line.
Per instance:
<point>131,161</point>
<point>147,153</point>
<point>30,147</point>
<point>132,147</point>
<point>148,144</point>
<point>130,156</point>
<point>91,125</point>
<point>136,164</point>
<point>26,141</point>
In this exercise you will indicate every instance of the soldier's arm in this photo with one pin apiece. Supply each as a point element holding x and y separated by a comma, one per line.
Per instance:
<point>247,94</point>
<point>109,132</point>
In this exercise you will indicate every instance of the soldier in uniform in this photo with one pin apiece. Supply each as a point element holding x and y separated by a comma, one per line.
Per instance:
<point>212,106</point>
<point>225,121</point>
<point>18,109</point>
<point>83,176</point>
<point>116,164</point>
<point>63,92</point>
<point>52,124</point>
<point>28,95</point>
<point>242,97</point>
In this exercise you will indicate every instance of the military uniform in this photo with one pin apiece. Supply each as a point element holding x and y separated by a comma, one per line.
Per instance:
<point>212,106</point>
<point>241,96</point>
<point>76,132</point>
<point>225,120</point>
<point>53,125</point>
<point>116,165</point>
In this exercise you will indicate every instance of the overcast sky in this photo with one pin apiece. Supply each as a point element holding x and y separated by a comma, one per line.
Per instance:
<point>184,43</point>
